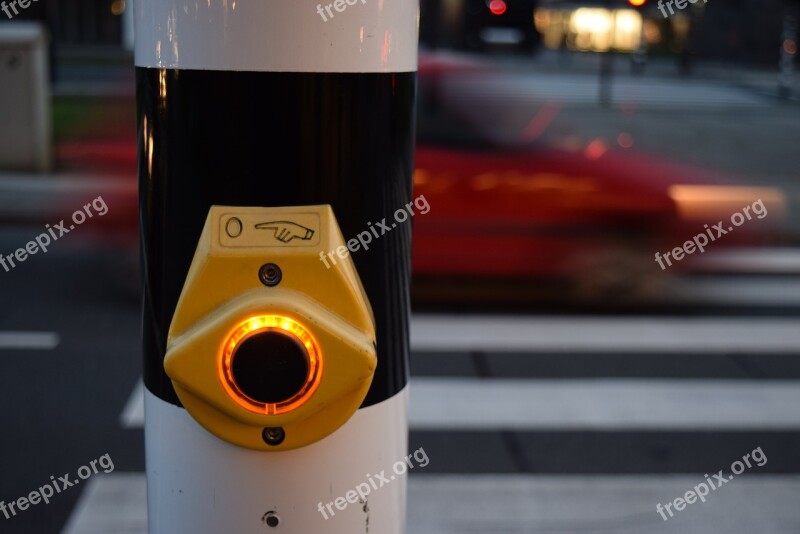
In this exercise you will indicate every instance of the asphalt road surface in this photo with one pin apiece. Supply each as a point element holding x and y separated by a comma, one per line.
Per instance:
<point>532,423</point>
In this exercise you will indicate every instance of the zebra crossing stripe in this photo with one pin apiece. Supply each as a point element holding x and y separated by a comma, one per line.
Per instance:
<point>620,334</point>
<point>608,404</point>
<point>516,503</point>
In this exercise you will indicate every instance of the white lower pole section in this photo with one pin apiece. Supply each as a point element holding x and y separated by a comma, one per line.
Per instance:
<point>198,484</point>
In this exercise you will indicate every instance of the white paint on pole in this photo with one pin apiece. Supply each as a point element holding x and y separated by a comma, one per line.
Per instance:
<point>204,484</point>
<point>277,36</point>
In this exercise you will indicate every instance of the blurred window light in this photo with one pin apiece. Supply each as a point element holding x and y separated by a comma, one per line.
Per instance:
<point>118,7</point>
<point>627,29</point>
<point>591,20</point>
<point>552,25</point>
<point>652,32</point>
<point>593,29</point>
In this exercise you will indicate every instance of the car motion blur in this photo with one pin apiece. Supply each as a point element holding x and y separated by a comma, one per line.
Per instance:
<point>514,218</point>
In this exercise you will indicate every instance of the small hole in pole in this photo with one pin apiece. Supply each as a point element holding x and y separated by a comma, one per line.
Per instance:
<point>271,519</point>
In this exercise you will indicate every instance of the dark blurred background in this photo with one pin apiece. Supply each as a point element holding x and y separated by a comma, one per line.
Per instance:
<point>563,381</point>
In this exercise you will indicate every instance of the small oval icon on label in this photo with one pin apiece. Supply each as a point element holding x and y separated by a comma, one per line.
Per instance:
<point>234,227</point>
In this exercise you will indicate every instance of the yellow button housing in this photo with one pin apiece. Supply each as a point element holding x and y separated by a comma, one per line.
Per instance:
<point>226,300</point>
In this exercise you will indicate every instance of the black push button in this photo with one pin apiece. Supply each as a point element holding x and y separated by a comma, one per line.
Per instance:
<point>270,367</point>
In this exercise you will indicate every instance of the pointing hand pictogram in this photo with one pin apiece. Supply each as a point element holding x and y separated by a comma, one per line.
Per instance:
<point>285,231</point>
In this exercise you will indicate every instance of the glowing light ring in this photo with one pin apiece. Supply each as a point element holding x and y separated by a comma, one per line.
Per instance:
<point>285,326</point>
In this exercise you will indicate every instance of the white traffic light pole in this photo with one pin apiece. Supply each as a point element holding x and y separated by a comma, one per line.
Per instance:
<point>248,103</point>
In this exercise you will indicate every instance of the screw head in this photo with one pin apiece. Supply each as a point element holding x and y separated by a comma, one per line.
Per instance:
<point>273,435</point>
<point>270,274</point>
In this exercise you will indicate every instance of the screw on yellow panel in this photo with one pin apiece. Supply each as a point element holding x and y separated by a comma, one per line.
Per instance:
<point>256,273</point>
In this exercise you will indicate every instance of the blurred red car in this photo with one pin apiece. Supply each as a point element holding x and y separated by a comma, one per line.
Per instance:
<point>508,211</point>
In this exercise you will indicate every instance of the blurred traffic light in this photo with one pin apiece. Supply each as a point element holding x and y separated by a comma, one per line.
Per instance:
<point>637,3</point>
<point>498,7</point>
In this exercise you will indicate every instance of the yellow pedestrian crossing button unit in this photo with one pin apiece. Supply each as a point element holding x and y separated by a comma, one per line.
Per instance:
<point>268,349</point>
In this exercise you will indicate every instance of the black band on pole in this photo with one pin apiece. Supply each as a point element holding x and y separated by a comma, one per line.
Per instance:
<point>209,137</point>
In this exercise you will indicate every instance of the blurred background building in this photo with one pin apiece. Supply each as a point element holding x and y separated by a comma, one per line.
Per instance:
<point>733,30</point>
<point>744,30</point>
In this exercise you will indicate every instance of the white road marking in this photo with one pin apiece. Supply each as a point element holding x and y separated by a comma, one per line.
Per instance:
<point>132,415</point>
<point>29,340</point>
<point>607,405</point>
<point>593,403</point>
<point>753,260</point>
<point>599,504</point>
<point>736,290</point>
<point>517,504</point>
<point>55,185</point>
<point>116,502</point>
<point>583,89</point>
<point>621,334</point>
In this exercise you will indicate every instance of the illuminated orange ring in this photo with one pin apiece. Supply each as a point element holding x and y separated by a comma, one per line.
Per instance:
<point>270,323</point>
